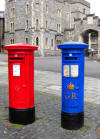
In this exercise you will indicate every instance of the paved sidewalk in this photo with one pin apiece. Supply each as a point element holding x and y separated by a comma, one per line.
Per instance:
<point>48,105</point>
<point>50,82</point>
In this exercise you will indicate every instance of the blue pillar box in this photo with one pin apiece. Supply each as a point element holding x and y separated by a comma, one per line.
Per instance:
<point>72,111</point>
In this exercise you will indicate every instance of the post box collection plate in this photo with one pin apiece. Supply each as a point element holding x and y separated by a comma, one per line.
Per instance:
<point>71,70</point>
<point>66,70</point>
<point>16,69</point>
<point>74,70</point>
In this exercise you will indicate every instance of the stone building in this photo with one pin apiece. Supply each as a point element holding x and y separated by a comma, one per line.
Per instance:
<point>47,23</point>
<point>1,31</point>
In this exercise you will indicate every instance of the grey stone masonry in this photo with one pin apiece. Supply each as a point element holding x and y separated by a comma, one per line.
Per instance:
<point>42,20</point>
<point>84,2</point>
<point>47,23</point>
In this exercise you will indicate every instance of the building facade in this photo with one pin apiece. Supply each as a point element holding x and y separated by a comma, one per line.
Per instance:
<point>1,31</point>
<point>47,23</point>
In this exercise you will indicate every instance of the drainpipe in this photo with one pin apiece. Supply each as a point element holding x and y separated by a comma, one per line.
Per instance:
<point>89,41</point>
<point>70,17</point>
<point>42,30</point>
<point>99,44</point>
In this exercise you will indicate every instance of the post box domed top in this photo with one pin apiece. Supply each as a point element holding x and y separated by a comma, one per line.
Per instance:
<point>72,45</point>
<point>20,46</point>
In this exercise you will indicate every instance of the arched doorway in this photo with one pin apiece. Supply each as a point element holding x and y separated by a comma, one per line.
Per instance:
<point>90,37</point>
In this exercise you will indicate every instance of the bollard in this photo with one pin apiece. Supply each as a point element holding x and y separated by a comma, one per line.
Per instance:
<point>72,111</point>
<point>21,83</point>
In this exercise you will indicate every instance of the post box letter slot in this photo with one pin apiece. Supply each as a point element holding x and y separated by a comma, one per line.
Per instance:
<point>70,58</point>
<point>16,59</point>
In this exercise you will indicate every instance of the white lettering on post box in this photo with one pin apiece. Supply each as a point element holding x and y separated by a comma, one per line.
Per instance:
<point>74,70</point>
<point>16,69</point>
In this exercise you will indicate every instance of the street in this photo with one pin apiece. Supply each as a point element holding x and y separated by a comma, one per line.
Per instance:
<point>92,67</point>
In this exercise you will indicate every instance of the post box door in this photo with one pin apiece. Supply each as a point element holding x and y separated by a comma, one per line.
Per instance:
<point>72,95</point>
<point>17,82</point>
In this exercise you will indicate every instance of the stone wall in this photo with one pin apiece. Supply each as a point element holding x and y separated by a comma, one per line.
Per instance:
<point>74,17</point>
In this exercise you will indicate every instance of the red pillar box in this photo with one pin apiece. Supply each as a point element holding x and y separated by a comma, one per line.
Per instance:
<point>21,83</point>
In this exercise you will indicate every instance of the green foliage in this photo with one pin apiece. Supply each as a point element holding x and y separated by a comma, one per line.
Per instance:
<point>15,125</point>
<point>86,127</point>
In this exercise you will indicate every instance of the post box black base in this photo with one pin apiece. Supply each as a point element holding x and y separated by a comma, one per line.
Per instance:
<point>72,121</point>
<point>22,116</point>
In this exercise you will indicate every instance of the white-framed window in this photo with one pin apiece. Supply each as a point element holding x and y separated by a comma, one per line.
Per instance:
<point>59,28</point>
<point>12,12</point>
<point>46,25</point>
<point>46,8</point>
<point>37,3</point>
<point>37,41</point>
<point>84,11</point>
<point>12,41</point>
<point>46,41</point>
<point>12,27</point>
<point>27,8</point>
<point>52,44</point>
<point>26,40</point>
<point>37,23</point>
<point>26,25</point>
<point>58,12</point>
